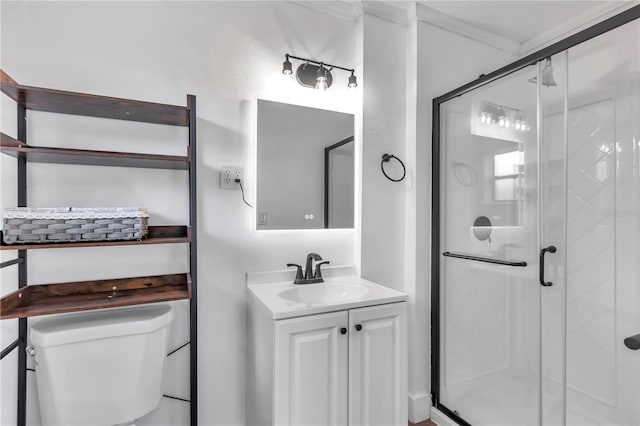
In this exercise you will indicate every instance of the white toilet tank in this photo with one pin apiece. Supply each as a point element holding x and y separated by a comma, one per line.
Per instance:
<point>100,368</point>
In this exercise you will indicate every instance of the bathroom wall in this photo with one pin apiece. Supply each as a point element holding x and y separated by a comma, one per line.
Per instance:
<point>383,115</point>
<point>227,54</point>
<point>407,63</point>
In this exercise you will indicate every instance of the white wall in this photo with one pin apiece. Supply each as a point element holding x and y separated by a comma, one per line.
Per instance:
<point>406,64</point>
<point>225,53</point>
<point>383,132</point>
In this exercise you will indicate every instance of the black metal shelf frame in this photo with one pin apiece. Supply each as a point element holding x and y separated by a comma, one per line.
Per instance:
<point>600,28</point>
<point>21,342</point>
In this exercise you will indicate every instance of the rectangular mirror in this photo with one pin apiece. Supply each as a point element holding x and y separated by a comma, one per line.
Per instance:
<point>305,162</point>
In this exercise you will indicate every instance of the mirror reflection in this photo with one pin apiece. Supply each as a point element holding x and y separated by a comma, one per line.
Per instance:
<point>305,167</point>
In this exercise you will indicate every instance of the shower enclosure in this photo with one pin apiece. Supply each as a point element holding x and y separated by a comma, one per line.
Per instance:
<point>536,237</point>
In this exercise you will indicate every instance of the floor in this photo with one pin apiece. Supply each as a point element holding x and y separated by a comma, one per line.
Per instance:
<point>425,423</point>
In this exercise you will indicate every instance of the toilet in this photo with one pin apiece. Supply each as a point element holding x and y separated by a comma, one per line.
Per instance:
<point>100,368</point>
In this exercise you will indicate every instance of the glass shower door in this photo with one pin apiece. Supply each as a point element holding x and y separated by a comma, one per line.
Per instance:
<point>603,238</point>
<point>539,310</point>
<point>490,351</point>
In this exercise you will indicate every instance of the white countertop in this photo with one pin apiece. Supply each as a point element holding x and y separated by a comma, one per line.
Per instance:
<point>366,293</point>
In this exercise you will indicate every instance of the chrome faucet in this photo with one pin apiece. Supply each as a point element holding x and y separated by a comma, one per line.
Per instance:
<point>309,276</point>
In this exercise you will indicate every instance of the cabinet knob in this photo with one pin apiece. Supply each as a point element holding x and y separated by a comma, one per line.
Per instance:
<point>343,330</point>
<point>358,327</point>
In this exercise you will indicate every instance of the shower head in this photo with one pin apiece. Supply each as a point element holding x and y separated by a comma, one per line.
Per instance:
<point>546,75</point>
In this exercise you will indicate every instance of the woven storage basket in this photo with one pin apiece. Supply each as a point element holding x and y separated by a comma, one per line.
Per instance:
<point>71,224</point>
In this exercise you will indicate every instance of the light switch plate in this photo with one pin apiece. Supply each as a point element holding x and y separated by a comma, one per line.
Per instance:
<point>262,218</point>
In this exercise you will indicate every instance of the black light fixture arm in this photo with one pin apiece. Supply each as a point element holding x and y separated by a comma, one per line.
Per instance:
<point>313,61</point>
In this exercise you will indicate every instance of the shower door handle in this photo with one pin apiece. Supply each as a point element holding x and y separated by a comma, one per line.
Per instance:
<point>550,249</point>
<point>633,342</point>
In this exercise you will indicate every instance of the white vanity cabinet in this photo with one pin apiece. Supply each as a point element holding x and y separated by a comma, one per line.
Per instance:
<point>311,370</point>
<point>341,368</point>
<point>378,393</point>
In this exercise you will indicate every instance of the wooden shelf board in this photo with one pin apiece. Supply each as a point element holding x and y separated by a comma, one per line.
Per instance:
<point>59,101</point>
<point>15,148</point>
<point>60,298</point>
<point>157,235</point>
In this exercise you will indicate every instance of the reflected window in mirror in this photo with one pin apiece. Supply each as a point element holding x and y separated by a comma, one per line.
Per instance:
<point>305,167</point>
<point>507,175</point>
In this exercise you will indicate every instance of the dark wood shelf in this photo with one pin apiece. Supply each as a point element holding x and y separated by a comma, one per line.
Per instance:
<point>157,235</point>
<point>15,148</point>
<point>45,299</point>
<point>60,101</point>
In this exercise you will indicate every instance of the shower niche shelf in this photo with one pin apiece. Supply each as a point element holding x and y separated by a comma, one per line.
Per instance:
<point>45,299</point>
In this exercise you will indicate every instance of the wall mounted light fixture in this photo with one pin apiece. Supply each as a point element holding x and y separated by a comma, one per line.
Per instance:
<point>315,74</point>
<point>503,116</point>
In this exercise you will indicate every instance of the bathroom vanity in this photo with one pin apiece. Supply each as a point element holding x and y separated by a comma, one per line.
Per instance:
<point>333,353</point>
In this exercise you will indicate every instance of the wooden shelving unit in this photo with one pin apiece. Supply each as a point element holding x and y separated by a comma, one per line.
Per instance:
<point>157,235</point>
<point>36,154</point>
<point>42,299</point>
<point>45,299</point>
<point>50,100</point>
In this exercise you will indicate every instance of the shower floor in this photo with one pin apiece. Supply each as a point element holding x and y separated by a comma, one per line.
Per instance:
<point>516,404</point>
<point>513,404</point>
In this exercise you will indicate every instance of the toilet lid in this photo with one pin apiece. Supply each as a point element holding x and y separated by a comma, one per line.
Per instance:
<point>72,328</point>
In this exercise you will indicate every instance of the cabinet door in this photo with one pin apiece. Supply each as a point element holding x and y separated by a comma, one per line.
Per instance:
<point>378,393</point>
<point>311,378</point>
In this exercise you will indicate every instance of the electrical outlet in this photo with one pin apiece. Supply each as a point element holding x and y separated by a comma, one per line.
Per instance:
<point>228,176</point>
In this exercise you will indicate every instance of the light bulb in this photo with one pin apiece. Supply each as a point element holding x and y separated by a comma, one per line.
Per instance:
<point>353,82</point>
<point>483,118</point>
<point>507,123</point>
<point>518,125</point>
<point>321,83</point>
<point>501,121</point>
<point>286,66</point>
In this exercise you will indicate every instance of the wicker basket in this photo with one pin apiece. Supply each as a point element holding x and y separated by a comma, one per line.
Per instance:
<point>71,224</point>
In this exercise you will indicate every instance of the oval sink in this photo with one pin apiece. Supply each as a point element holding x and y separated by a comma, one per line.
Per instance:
<point>324,293</point>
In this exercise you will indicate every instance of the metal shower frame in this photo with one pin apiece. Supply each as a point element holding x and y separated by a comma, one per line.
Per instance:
<point>600,28</point>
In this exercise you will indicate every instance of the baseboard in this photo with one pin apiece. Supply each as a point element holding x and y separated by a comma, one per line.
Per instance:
<point>439,418</point>
<point>419,407</point>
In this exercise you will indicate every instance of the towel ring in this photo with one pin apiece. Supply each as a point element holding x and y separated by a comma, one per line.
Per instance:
<point>385,159</point>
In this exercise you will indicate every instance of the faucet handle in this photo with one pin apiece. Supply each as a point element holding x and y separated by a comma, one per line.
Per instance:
<point>318,273</point>
<point>299,275</point>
